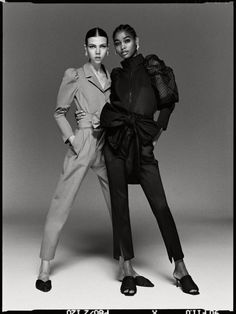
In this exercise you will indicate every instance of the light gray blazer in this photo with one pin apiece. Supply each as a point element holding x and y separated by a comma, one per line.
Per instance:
<point>82,86</point>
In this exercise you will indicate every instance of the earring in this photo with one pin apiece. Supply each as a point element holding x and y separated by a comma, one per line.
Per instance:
<point>107,52</point>
<point>137,46</point>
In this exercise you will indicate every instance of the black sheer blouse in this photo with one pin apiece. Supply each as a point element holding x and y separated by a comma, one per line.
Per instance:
<point>128,119</point>
<point>131,87</point>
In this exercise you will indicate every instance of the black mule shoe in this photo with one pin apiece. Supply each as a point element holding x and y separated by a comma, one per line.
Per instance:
<point>187,284</point>
<point>143,282</point>
<point>128,283</point>
<point>44,286</point>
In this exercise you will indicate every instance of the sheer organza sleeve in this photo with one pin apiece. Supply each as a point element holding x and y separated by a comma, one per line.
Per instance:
<point>163,80</point>
<point>165,87</point>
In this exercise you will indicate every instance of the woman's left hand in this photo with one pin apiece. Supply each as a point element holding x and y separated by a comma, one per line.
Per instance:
<point>157,137</point>
<point>79,115</point>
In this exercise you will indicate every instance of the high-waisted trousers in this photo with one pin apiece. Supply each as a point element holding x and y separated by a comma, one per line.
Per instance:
<point>88,155</point>
<point>150,181</point>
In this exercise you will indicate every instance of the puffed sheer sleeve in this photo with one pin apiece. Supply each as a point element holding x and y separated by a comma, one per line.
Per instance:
<point>163,81</point>
<point>65,97</point>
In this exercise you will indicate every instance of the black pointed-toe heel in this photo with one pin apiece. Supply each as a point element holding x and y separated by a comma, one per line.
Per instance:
<point>143,282</point>
<point>128,283</point>
<point>187,285</point>
<point>44,286</point>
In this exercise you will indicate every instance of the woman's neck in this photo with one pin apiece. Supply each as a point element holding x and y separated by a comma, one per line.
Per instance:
<point>96,67</point>
<point>133,55</point>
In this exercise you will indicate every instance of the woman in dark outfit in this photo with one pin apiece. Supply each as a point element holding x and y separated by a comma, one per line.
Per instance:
<point>131,133</point>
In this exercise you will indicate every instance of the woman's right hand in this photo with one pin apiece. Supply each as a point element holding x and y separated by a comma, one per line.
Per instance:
<point>71,140</point>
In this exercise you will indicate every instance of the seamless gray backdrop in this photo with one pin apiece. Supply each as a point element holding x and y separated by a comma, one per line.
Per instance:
<point>40,41</point>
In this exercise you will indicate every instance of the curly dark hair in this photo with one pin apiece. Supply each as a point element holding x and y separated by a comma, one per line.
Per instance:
<point>124,27</point>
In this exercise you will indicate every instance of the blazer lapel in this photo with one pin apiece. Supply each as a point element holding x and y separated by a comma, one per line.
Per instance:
<point>91,77</point>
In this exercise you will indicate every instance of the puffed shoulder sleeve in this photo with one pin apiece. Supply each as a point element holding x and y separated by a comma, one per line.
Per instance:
<point>154,64</point>
<point>165,87</point>
<point>163,80</point>
<point>65,97</point>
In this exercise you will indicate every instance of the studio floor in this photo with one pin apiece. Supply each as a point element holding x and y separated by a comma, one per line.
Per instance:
<point>84,274</point>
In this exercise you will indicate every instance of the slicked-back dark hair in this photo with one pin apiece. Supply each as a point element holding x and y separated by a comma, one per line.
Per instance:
<point>96,31</point>
<point>124,28</point>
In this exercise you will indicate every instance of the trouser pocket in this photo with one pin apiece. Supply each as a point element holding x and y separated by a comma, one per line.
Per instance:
<point>78,142</point>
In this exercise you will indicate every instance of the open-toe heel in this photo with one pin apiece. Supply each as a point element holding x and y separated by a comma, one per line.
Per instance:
<point>187,285</point>
<point>128,286</point>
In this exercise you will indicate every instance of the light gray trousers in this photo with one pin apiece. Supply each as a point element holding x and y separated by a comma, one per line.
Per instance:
<point>87,144</point>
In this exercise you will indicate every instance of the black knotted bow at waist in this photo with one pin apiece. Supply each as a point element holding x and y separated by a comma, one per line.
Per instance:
<point>122,127</point>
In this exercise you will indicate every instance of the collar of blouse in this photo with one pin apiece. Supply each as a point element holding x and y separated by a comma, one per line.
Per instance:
<point>133,61</point>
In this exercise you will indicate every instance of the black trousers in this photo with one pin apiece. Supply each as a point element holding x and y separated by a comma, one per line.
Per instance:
<point>151,183</point>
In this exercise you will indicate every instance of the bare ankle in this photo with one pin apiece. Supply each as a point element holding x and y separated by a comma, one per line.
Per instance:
<point>45,266</point>
<point>180,269</point>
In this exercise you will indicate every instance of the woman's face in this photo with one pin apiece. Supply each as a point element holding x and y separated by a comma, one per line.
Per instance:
<point>96,48</point>
<point>125,44</point>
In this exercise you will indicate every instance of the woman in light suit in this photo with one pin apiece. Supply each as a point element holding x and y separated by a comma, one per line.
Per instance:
<point>89,87</point>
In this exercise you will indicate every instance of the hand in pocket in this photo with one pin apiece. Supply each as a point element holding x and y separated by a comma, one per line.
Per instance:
<point>77,143</point>
<point>72,146</point>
